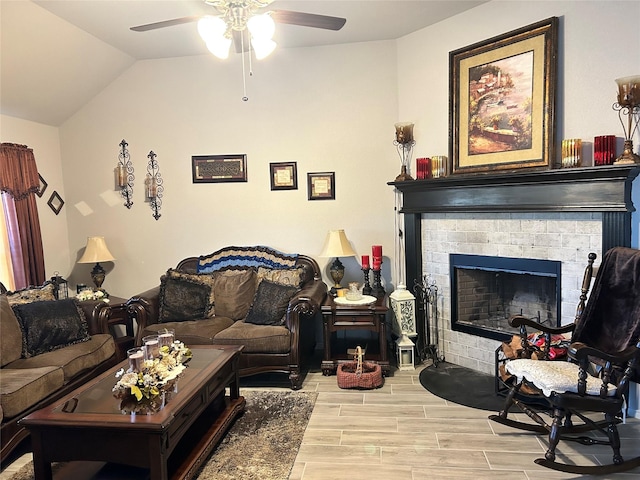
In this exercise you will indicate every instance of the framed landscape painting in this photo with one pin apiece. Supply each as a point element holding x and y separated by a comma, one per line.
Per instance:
<point>502,101</point>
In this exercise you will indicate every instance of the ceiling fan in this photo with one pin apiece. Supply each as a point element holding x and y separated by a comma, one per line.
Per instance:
<point>238,20</point>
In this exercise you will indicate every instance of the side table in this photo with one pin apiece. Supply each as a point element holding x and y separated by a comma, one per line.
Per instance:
<point>363,318</point>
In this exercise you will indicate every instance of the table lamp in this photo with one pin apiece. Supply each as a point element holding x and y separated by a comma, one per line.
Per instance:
<point>96,251</point>
<point>337,245</point>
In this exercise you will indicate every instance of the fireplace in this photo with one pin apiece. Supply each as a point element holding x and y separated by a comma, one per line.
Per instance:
<point>558,215</point>
<point>488,290</point>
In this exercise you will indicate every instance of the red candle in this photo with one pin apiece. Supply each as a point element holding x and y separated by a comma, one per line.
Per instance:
<point>376,250</point>
<point>376,263</point>
<point>365,261</point>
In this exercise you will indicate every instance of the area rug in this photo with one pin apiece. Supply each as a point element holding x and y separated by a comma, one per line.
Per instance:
<point>261,445</point>
<point>462,385</point>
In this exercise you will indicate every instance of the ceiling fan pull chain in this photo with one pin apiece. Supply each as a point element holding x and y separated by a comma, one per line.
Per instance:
<point>244,75</point>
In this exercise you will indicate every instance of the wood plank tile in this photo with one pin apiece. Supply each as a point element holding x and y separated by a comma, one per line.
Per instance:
<point>356,454</point>
<point>415,411</point>
<point>422,456</point>
<point>389,424</point>
<point>501,443</point>
<point>330,471</point>
<point>417,426</point>
<point>466,474</point>
<point>388,439</point>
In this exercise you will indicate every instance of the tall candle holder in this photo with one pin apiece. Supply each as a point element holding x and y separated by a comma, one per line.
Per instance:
<point>153,185</point>
<point>124,174</point>
<point>377,290</point>
<point>366,289</point>
<point>628,104</point>
<point>404,142</point>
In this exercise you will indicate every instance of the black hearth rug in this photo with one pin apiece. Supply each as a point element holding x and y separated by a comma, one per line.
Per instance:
<point>462,385</point>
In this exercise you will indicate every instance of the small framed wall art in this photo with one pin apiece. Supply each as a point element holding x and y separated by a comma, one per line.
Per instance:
<point>55,202</point>
<point>219,168</point>
<point>42,186</point>
<point>284,176</point>
<point>321,186</point>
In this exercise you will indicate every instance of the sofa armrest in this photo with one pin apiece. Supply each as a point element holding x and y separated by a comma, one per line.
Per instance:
<point>145,307</point>
<point>92,309</point>
<point>306,302</point>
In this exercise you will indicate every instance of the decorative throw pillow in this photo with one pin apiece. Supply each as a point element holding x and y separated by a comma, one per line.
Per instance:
<point>10,334</point>
<point>203,278</point>
<point>182,299</point>
<point>234,291</point>
<point>270,303</point>
<point>50,325</point>
<point>289,276</point>
<point>32,294</point>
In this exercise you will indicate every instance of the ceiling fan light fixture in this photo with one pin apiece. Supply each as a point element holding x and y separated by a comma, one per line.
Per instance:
<point>219,47</point>
<point>262,27</point>
<point>211,27</point>
<point>263,48</point>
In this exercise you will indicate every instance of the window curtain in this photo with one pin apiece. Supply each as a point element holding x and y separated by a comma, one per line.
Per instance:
<point>19,180</point>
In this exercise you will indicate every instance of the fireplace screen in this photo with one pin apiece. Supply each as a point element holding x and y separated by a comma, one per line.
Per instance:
<point>486,291</point>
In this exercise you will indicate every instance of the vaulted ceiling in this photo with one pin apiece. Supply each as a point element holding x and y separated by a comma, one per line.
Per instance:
<point>57,54</point>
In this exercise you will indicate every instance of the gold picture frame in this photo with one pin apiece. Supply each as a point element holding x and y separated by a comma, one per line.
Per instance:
<point>502,95</point>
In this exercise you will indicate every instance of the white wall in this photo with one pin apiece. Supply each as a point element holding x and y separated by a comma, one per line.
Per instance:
<point>45,142</point>
<point>326,108</point>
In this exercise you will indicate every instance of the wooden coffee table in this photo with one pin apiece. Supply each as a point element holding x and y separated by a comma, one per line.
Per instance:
<point>88,424</point>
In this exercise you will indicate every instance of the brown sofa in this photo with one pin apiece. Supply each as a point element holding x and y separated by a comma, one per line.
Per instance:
<point>38,364</point>
<point>252,296</point>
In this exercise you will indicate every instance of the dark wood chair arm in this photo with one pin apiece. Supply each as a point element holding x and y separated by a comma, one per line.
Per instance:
<point>579,351</point>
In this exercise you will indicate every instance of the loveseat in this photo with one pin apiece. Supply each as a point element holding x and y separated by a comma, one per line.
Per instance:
<point>253,296</point>
<point>48,348</point>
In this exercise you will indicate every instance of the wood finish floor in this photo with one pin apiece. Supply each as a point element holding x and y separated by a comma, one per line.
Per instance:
<point>403,432</point>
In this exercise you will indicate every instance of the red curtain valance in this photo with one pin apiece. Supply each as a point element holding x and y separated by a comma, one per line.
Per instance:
<point>18,170</point>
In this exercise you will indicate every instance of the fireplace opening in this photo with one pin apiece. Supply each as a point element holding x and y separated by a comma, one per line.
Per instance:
<point>486,291</point>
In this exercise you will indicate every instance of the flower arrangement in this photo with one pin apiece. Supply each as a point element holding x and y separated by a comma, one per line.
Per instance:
<point>89,294</point>
<point>157,376</point>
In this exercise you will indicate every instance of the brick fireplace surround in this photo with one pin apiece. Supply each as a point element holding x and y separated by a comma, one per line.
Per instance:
<point>551,215</point>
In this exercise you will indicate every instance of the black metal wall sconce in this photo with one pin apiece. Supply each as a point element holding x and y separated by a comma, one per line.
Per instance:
<point>124,174</point>
<point>153,185</point>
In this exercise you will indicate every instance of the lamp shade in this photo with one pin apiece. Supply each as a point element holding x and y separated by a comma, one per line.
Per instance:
<point>337,245</point>
<point>96,251</point>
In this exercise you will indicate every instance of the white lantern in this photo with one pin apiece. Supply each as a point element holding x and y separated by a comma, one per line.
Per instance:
<point>403,304</point>
<point>405,351</point>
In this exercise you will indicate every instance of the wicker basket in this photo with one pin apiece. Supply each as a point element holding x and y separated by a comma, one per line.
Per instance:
<point>359,374</point>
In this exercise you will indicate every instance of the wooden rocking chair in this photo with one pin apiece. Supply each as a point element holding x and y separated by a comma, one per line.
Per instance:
<point>603,355</point>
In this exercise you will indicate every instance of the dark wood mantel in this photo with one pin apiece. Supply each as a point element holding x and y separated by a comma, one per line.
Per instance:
<point>593,189</point>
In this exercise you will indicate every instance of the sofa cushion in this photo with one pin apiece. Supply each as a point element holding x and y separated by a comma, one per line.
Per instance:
<point>256,338</point>
<point>183,298</point>
<point>192,332</point>
<point>10,333</point>
<point>32,294</point>
<point>73,359</point>
<point>288,276</point>
<point>23,388</point>
<point>234,291</point>
<point>270,303</point>
<point>49,325</point>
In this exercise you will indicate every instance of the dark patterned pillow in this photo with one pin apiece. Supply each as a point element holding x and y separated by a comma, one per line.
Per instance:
<point>51,324</point>
<point>206,279</point>
<point>270,303</point>
<point>182,298</point>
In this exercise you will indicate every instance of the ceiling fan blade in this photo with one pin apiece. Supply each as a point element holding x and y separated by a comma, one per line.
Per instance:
<point>308,19</point>
<point>165,23</point>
